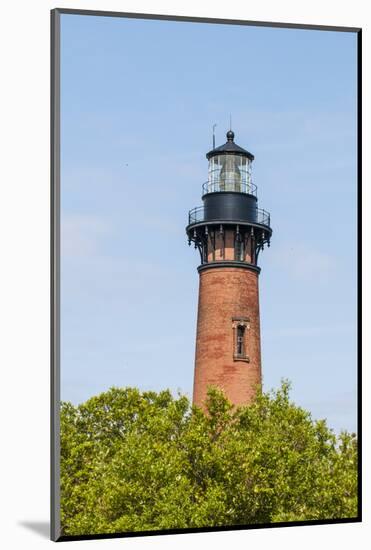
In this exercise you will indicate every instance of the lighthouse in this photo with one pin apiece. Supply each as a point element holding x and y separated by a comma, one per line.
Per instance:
<point>229,231</point>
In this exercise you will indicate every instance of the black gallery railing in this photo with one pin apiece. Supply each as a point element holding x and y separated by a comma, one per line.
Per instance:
<point>253,215</point>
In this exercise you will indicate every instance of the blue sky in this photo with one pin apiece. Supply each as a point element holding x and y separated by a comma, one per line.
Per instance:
<point>139,99</point>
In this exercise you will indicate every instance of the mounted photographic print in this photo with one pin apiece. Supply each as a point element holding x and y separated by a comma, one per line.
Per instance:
<point>205,193</point>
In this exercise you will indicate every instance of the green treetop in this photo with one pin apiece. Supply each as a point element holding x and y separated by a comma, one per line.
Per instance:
<point>136,461</point>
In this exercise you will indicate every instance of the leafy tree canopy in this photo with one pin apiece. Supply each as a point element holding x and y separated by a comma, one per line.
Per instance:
<point>134,460</point>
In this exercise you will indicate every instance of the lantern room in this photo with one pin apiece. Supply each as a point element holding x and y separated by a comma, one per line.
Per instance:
<point>230,168</point>
<point>229,226</point>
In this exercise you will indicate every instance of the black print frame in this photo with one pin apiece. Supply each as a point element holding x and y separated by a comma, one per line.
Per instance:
<point>205,233</point>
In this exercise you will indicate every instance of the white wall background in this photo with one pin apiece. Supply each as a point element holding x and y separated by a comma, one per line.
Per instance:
<point>24,253</point>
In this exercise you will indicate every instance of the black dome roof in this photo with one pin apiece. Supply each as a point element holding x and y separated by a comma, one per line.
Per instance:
<point>229,147</point>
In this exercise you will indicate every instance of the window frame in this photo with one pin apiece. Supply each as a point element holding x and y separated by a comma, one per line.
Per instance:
<point>238,324</point>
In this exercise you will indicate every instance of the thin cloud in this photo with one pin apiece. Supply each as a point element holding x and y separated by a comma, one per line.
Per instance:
<point>312,330</point>
<point>303,263</point>
<point>82,235</point>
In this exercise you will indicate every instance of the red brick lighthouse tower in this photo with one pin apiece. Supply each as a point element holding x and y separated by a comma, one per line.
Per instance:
<point>229,231</point>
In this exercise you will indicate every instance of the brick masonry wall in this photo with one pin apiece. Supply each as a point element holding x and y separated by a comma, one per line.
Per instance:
<point>224,246</point>
<point>226,293</point>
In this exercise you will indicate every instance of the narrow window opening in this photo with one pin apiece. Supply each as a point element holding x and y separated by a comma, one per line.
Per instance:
<point>205,252</point>
<point>239,249</point>
<point>240,347</point>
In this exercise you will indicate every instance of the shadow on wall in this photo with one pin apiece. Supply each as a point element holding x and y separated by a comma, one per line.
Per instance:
<point>41,528</point>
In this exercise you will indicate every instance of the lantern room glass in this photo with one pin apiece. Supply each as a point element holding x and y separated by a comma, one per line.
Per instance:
<point>230,172</point>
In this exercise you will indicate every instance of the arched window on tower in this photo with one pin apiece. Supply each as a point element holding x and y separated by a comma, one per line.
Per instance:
<point>240,347</point>
<point>240,341</point>
<point>239,248</point>
<point>205,251</point>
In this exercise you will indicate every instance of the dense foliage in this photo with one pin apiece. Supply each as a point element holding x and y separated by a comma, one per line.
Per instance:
<point>143,461</point>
